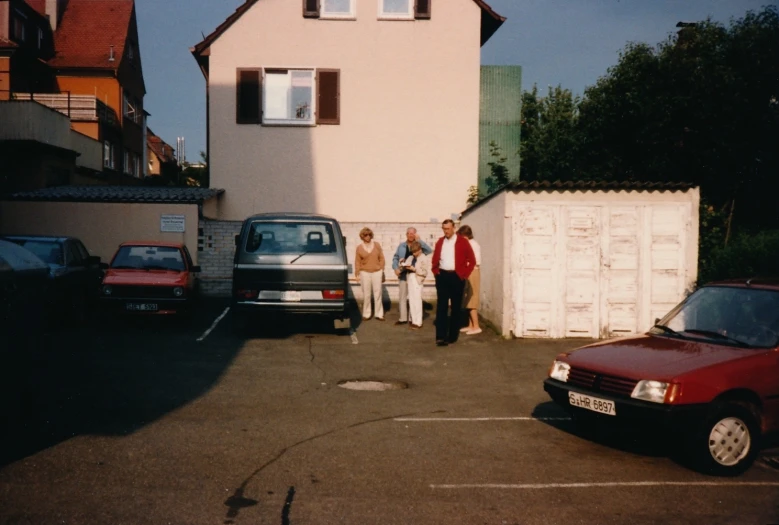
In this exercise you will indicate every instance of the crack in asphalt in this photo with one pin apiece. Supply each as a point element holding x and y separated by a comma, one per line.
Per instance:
<point>311,353</point>
<point>237,501</point>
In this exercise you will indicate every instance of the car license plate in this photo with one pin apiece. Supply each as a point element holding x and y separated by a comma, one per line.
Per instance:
<point>592,403</point>
<point>291,296</point>
<point>142,307</point>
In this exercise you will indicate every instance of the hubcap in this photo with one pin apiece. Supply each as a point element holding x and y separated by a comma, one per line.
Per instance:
<point>729,441</point>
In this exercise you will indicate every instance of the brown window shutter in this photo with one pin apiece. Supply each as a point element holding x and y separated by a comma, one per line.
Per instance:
<point>311,8</point>
<point>328,107</point>
<point>248,96</point>
<point>422,9</point>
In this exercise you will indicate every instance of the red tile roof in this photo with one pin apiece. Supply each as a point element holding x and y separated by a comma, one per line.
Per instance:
<point>160,148</point>
<point>490,22</point>
<point>87,31</point>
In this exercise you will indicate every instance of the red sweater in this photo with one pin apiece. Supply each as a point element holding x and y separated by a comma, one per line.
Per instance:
<point>464,258</point>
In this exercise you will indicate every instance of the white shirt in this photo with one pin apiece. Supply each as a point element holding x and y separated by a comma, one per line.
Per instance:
<point>476,251</point>
<point>447,254</point>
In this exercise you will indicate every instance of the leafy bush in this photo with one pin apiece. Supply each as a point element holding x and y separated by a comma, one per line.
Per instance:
<point>746,255</point>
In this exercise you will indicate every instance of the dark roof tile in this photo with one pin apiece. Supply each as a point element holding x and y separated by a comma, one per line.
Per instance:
<point>136,194</point>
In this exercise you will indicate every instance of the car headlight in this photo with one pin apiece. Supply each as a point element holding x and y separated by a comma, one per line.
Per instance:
<point>653,391</point>
<point>178,291</point>
<point>107,290</point>
<point>560,371</point>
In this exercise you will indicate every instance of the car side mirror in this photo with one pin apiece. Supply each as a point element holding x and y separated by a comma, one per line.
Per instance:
<point>195,269</point>
<point>93,259</point>
<point>238,239</point>
<point>103,266</point>
<point>657,320</point>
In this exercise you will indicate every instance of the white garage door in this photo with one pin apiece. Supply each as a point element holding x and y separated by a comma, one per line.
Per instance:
<point>595,271</point>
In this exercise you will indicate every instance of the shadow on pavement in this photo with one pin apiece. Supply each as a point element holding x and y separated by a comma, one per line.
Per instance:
<point>635,440</point>
<point>109,377</point>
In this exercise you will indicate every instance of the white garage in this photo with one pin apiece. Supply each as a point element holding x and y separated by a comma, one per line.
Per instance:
<point>585,259</point>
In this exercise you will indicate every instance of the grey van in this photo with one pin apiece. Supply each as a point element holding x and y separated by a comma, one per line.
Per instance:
<point>291,263</point>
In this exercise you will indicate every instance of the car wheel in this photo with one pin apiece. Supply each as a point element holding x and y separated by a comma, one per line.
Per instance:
<point>729,440</point>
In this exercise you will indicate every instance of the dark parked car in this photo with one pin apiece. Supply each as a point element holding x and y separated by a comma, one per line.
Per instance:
<point>291,263</point>
<point>74,273</point>
<point>150,277</point>
<point>706,376</point>
<point>24,286</point>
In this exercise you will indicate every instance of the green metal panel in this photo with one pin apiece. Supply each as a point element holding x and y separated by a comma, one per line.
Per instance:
<point>500,116</point>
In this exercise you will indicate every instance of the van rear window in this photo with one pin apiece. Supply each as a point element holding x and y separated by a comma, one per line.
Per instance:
<point>290,238</point>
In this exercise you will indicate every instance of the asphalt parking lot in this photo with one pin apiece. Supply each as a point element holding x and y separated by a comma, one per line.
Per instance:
<point>160,421</point>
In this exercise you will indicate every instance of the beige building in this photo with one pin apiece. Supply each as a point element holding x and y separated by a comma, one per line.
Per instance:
<point>367,111</point>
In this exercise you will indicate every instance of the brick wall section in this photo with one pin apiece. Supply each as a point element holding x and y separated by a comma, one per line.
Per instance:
<point>216,249</point>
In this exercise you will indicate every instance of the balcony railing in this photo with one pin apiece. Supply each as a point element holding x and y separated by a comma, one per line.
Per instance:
<point>76,107</point>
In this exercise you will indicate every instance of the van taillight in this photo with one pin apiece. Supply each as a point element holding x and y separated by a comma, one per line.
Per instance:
<point>333,294</point>
<point>246,294</point>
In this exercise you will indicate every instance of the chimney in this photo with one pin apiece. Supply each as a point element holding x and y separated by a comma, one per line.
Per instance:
<point>53,12</point>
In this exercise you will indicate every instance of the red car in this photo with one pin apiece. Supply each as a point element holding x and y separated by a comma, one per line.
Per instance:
<point>707,375</point>
<point>150,277</point>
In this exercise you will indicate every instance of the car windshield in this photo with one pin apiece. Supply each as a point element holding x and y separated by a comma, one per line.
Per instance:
<point>149,258</point>
<point>290,238</point>
<point>49,252</point>
<point>726,315</point>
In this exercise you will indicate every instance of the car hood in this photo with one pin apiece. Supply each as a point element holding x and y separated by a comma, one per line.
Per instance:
<point>654,357</point>
<point>145,278</point>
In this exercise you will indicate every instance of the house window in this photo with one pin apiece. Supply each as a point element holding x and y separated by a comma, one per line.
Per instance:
<point>40,38</point>
<point>19,29</point>
<point>126,161</point>
<point>336,8</point>
<point>396,9</point>
<point>108,155</point>
<point>136,166</point>
<point>288,96</point>
<point>131,109</point>
<point>274,96</point>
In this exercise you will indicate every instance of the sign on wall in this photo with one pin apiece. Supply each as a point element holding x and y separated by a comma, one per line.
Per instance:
<point>172,223</point>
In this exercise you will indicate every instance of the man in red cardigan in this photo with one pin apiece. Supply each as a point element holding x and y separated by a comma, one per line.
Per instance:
<point>453,262</point>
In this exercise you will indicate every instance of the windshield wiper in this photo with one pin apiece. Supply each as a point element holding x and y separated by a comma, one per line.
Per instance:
<point>716,335</point>
<point>299,256</point>
<point>120,267</point>
<point>666,330</point>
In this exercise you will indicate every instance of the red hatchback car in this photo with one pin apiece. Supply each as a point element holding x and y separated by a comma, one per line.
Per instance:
<point>150,277</point>
<point>707,375</point>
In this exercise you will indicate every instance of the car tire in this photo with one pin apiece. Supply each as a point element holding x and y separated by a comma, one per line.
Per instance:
<point>728,442</point>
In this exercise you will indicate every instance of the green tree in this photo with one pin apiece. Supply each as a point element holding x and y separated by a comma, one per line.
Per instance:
<point>499,172</point>
<point>700,107</point>
<point>548,150</point>
<point>196,175</point>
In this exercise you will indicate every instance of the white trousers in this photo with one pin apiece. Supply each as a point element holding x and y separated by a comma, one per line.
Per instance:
<point>371,282</point>
<point>415,300</point>
<point>403,298</point>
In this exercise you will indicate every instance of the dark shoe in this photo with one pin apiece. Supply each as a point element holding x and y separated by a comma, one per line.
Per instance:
<point>398,323</point>
<point>441,342</point>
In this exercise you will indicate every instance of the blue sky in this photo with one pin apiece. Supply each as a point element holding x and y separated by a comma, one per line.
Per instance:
<point>566,42</point>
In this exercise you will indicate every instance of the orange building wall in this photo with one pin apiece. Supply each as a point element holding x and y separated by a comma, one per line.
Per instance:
<point>90,129</point>
<point>105,89</point>
<point>5,78</point>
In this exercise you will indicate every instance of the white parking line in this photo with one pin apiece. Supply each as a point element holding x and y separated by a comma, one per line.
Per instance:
<point>444,419</point>
<point>531,486</point>
<point>213,325</point>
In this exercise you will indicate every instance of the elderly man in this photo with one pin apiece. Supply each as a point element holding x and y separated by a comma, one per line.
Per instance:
<point>404,251</point>
<point>453,262</point>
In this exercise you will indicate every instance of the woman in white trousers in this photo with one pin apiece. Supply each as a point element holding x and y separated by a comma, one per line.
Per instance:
<point>418,270</point>
<point>369,269</point>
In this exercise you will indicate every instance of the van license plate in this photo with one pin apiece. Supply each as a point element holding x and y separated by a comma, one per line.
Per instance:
<point>142,307</point>
<point>290,296</point>
<point>595,404</point>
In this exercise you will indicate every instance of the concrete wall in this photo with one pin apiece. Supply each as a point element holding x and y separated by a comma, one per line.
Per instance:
<point>101,226</point>
<point>491,227</point>
<point>407,144</point>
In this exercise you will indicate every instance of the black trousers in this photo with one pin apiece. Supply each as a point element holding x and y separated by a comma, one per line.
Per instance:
<point>448,287</point>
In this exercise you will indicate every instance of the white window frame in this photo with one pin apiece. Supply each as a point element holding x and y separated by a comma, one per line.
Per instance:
<point>351,15</point>
<point>311,121</point>
<point>129,110</point>
<point>108,155</point>
<point>396,16</point>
